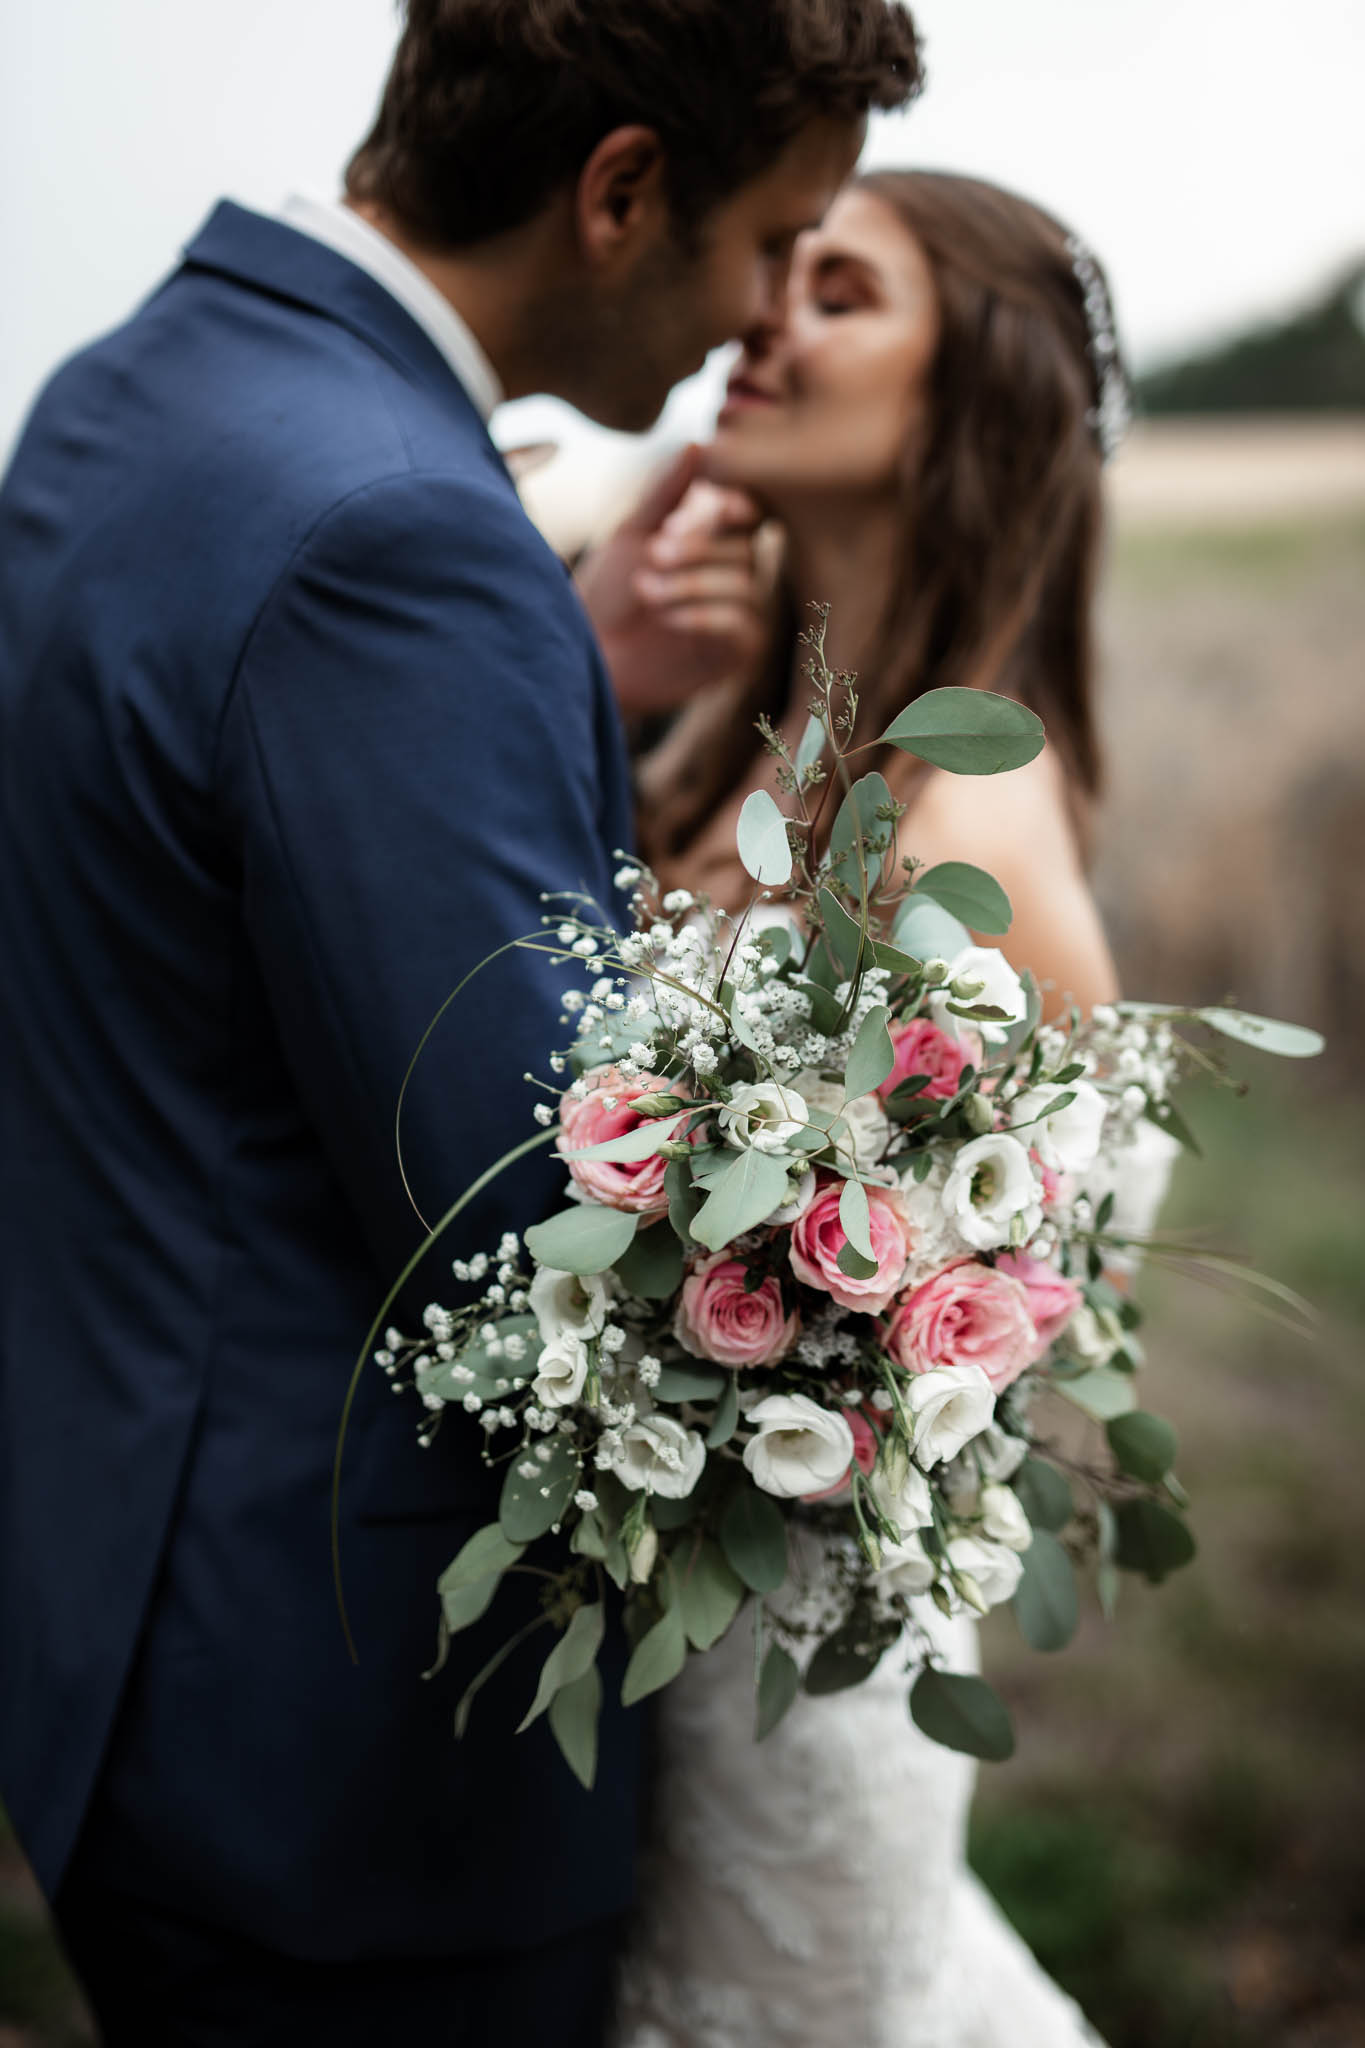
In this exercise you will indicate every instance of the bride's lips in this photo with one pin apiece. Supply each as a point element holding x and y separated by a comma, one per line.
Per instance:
<point>742,395</point>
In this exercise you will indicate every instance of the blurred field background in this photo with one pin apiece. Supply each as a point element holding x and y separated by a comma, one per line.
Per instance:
<point>1182,1835</point>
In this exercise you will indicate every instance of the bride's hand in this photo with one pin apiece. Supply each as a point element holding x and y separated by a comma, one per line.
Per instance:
<point>679,594</point>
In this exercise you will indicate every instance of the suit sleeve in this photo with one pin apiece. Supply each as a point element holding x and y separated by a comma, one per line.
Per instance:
<point>420,741</point>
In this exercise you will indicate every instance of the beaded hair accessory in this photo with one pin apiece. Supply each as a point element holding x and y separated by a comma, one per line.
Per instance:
<point>1110,419</point>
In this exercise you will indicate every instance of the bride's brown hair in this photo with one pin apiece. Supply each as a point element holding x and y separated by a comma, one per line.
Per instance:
<point>1002,510</point>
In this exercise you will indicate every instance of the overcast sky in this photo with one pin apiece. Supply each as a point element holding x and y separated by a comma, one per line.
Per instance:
<point>1213,151</point>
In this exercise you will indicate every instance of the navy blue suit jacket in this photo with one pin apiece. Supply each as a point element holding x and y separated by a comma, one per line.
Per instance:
<point>298,718</point>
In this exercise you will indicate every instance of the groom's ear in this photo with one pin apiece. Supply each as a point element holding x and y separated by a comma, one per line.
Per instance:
<point>621,201</point>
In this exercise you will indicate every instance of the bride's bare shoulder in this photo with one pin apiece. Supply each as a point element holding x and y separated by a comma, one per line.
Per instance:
<point>995,820</point>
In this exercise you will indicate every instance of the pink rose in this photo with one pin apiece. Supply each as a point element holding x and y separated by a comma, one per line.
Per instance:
<point>1052,1299</point>
<point>586,1120</point>
<point>865,1442</point>
<point>818,1238</point>
<point>921,1048</point>
<point>716,1319</point>
<point>968,1314</point>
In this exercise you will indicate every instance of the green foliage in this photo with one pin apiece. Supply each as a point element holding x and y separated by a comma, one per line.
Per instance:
<point>709,1593</point>
<point>652,1264</point>
<point>467,1585</point>
<point>858,821</point>
<point>575,1712</point>
<point>753,1535</point>
<point>1044,1494</point>
<point>684,1199</point>
<point>725,1421</point>
<point>570,1658</point>
<point>924,928</point>
<point>779,1682</point>
<point>748,1191</point>
<point>962,1713</point>
<point>530,1506</point>
<point>1151,1539</point>
<point>872,1056</point>
<point>1144,1445</point>
<point>843,934</point>
<point>762,837</point>
<point>968,732</point>
<point>584,1239</point>
<point>1101,1393</point>
<point>679,1382</point>
<point>1311,362</point>
<point>1267,1034</point>
<point>851,1654</point>
<point>656,1659</point>
<point>1046,1603</point>
<point>969,894</point>
<point>632,1146</point>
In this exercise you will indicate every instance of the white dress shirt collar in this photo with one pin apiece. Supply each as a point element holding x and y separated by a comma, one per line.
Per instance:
<point>344,230</point>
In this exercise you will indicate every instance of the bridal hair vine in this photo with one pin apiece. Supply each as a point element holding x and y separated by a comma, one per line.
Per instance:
<point>1110,419</point>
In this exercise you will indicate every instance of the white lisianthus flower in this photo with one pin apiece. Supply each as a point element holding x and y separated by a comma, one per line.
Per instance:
<point>1002,990</point>
<point>1070,1139</point>
<point>576,1302</point>
<point>996,1570</point>
<point>657,1455</point>
<point>798,1447</point>
<point>989,1183</point>
<point>906,1568</point>
<point>561,1371</point>
<point>763,1114</point>
<point>1087,1337</point>
<point>869,1127</point>
<point>1003,1518</point>
<point>999,1455</point>
<point>909,1506</point>
<point>950,1405</point>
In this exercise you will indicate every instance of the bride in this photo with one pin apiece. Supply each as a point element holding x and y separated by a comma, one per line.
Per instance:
<point>928,426</point>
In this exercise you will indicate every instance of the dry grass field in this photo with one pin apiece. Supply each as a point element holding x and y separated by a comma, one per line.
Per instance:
<point>1182,1835</point>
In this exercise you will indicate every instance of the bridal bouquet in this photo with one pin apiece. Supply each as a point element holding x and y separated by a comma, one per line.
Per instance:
<point>846,1227</point>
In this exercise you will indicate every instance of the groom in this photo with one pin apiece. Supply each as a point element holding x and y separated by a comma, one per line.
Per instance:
<point>298,720</point>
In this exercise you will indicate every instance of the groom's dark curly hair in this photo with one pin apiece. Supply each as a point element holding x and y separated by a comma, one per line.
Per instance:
<point>493,105</point>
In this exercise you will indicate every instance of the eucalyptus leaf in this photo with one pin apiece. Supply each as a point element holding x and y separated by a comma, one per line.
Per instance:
<point>1144,1445</point>
<point>1044,1494</point>
<point>962,1713</point>
<point>632,1146</point>
<point>893,959</point>
<point>855,1217</point>
<point>762,837</point>
<point>969,893</point>
<point>745,1197</point>
<point>531,1505</point>
<point>575,1712</point>
<point>753,1535</point>
<point>872,1057</point>
<point>825,1009</point>
<point>709,1595</point>
<point>726,1418</point>
<point>571,1656</point>
<point>690,1383</point>
<point>1100,1393</point>
<point>651,1267</point>
<point>487,1551</point>
<point>449,1378</point>
<point>850,1655</point>
<point>843,932</point>
<point>462,1606</point>
<point>1267,1034</point>
<point>812,745</point>
<point>584,1239</point>
<point>857,820</point>
<point>779,1682</point>
<point>1151,1539</point>
<point>656,1659</point>
<point>852,1262</point>
<point>684,1199</point>
<point>1167,1118</point>
<point>924,928</point>
<point>968,732</point>
<point>1046,1603</point>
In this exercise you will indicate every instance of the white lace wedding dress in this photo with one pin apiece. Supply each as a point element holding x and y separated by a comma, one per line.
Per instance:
<point>812,1891</point>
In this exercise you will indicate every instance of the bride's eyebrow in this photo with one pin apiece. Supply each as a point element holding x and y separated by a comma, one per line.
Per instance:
<point>842,264</point>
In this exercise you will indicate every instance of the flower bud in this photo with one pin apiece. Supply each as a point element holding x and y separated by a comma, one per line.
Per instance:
<point>658,1105</point>
<point>971,1592</point>
<point>675,1148</point>
<point>941,1597</point>
<point>967,987</point>
<point>644,1554</point>
<point>935,971</point>
<point>980,1114</point>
